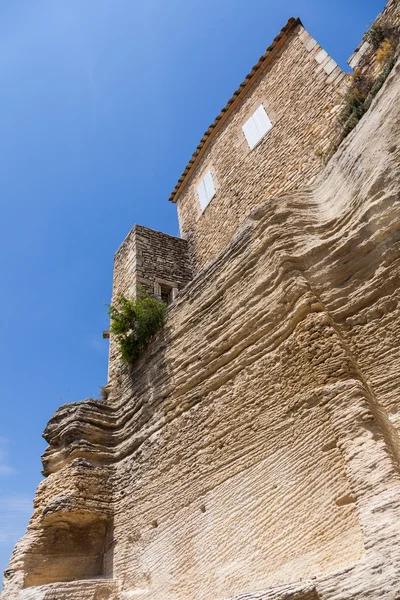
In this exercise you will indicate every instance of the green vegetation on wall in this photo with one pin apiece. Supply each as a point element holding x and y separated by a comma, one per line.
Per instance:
<point>134,322</point>
<point>384,39</point>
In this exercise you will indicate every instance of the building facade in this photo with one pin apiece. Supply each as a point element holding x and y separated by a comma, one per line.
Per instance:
<point>269,139</point>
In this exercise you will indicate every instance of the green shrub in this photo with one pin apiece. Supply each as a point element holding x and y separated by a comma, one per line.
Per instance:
<point>134,322</point>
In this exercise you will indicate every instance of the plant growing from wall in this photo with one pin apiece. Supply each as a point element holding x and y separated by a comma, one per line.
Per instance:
<point>354,102</point>
<point>384,38</point>
<point>103,395</point>
<point>135,321</point>
<point>384,53</point>
<point>378,32</point>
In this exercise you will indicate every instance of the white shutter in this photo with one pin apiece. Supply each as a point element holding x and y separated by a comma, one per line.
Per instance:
<point>201,191</point>
<point>206,190</point>
<point>262,121</point>
<point>251,132</point>
<point>209,185</point>
<point>257,126</point>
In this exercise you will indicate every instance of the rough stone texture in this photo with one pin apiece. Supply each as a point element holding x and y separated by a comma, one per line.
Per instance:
<point>301,91</point>
<point>253,451</point>
<point>82,590</point>
<point>364,56</point>
<point>150,259</point>
<point>392,11</point>
<point>147,256</point>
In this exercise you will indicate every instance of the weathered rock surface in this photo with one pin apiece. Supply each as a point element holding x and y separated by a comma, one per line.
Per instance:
<point>253,453</point>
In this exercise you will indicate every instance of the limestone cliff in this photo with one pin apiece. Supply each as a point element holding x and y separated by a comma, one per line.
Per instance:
<point>253,452</point>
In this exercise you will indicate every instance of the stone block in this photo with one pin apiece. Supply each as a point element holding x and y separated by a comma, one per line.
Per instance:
<point>321,56</point>
<point>310,45</point>
<point>330,66</point>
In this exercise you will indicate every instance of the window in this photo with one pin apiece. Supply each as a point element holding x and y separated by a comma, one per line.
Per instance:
<point>206,190</point>
<point>256,127</point>
<point>166,294</point>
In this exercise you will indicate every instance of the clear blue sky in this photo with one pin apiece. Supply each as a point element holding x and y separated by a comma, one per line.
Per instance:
<point>102,104</point>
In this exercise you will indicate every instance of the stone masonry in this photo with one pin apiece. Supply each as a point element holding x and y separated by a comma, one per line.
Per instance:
<point>300,87</point>
<point>363,57</point>
<point>156,261</point>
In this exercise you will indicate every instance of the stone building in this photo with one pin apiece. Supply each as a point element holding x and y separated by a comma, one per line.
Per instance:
<point>156,261</point>
<point>267,140</point>
<point>253,451</point>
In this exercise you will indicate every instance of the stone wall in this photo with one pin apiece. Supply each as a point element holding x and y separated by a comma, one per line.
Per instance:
<point>252,453</point>
<point>300,91</point>
<point>364,57</point>
<point>392,10</point>
<point>160,258</point>
<point>156,261</point>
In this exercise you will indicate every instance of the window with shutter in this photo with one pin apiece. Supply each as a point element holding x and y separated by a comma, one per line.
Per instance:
<point>256,127</point>
<point>206,190</point>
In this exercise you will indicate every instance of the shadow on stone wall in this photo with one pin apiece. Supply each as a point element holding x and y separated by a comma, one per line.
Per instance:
<point>70,547</point>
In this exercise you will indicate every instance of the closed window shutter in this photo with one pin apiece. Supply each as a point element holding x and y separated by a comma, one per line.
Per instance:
<point>206,190</point>
<point>257,126</point>
<point>251,132</point>
<point>262,121</point>
<point>209,185</point>
<point>201,191</point>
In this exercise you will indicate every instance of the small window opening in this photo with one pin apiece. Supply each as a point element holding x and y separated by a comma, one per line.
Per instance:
<point>166,294</point>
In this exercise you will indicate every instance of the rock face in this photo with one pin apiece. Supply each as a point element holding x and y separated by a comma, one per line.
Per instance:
<point>253,452</point>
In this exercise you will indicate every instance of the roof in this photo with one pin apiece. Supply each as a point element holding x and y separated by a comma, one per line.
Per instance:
<point>265,60</point>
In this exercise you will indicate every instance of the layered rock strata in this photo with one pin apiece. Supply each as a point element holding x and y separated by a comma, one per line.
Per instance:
<point>253,452</point>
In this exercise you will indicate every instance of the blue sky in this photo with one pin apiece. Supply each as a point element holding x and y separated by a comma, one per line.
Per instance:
<point>102,104</point>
